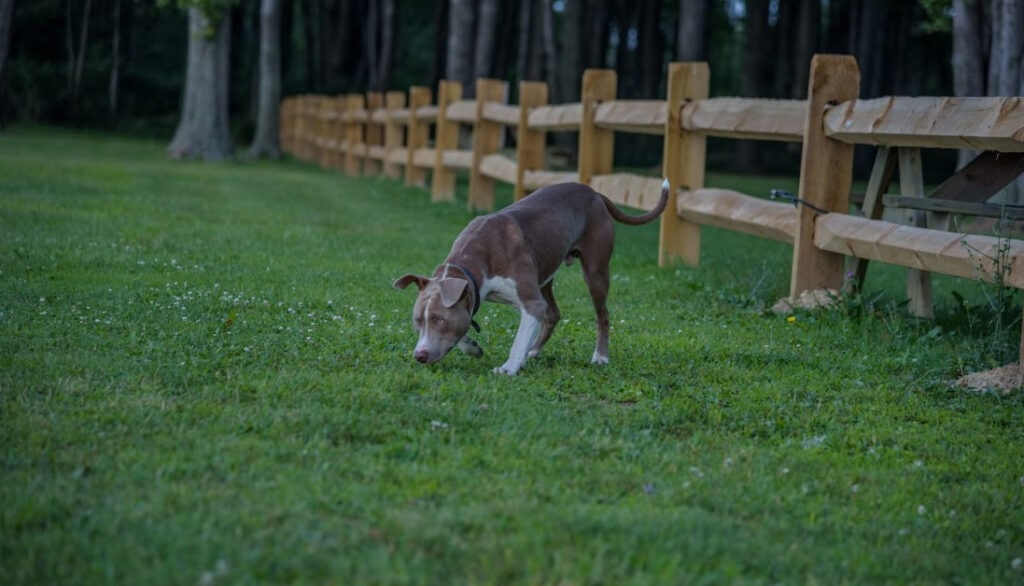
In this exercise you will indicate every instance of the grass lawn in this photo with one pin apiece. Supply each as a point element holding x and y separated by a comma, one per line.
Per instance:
<point>206,377</point>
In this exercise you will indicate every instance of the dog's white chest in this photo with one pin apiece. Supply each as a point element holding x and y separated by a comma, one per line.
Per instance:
<point>500,290</point>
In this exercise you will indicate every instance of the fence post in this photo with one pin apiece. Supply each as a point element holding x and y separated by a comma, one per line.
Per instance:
<point>529,142</point>
<point>374,133</point>
<point>446,138</point>
<point>826,172</point>
<point>394,134</point>
<point>683,160</point>
<point>486,140</point>
<point>329,137</point>
<point>355,105</point>
<point>416,135</point>
<point>597,145</point>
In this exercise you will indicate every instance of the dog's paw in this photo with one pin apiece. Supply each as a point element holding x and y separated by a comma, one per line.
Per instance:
<point>507,368</point>
<point>469,346</point>
<point>599,359</point>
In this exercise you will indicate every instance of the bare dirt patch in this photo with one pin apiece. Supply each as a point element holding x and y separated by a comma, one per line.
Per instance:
<point>1005,379</point>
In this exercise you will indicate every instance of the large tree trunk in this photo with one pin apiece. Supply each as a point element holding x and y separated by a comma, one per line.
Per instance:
<point>753,65</point>
<point>547,34</point>
<point>808,26</point>
<point>650,49</point>
<point>570,66</point>
<point>459,66</point>
<point>596,24</point>
<point>379,41</point>
<point>203,131</point>
<point>487,19</point>
<point>265,143</point>
<point>968,54</point>
<point>691,44</point>
<point>1004,68</point>
<point>6,10</point>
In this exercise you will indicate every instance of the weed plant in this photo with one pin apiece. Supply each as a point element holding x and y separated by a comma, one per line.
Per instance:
<point>206,377</point>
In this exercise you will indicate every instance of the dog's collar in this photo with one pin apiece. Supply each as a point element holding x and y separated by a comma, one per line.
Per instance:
<point>476,293</point>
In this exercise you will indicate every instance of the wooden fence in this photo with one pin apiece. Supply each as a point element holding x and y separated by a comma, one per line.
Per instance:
<point>409,134</point>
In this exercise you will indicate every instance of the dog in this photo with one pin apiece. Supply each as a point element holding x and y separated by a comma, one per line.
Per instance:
<point>511,257</point>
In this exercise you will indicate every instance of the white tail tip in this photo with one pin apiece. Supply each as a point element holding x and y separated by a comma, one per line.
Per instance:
<point>664,184</point>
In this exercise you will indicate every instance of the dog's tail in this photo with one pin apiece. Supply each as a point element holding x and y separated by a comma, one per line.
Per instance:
<point>625,218</point>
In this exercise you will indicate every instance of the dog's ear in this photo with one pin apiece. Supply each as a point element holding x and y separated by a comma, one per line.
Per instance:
<point>406,280</point>
<point>452,290</point>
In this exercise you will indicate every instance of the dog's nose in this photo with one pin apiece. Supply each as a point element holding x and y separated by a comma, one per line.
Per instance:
<point>420,355</point>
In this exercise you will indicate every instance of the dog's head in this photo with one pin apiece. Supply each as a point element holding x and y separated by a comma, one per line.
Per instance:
<point>442,314</point>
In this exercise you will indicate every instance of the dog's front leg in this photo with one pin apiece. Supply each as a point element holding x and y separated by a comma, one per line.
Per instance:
<point>529,327</point>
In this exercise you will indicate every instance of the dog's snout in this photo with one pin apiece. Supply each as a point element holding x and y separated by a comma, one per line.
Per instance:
<point>420,355</point>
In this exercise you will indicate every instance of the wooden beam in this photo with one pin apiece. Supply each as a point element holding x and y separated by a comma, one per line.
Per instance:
<point>961,255</point>
<point>881,177</point>
<point>502,113</point>
<point>982,178</point>
<point>919,282</point>
<point>965,208</point>
<point>596,145</point>
<point>635,116</point>
<point>487,138</point>
<point>499,167</point>
<point>826,173</point>
<point>746,118</point>
<point>534,180</point>
<point>629,189</point>
<point>529,140</point>
<point>984,124</point>
<point>724,208</point>
<point>683,161</point>
<point>461,111</point>
<point>562,117</point>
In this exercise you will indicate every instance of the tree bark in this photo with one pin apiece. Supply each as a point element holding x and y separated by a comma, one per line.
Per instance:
<point>808,26</point>
<point>753,60</point>
<point>6,12</point>
<point>691,44</point>
<point>547,32</point>
<point>525,29</point>
<point>968,57</point>
<point>203,131</point>
<point>487,19</point>
<point>265,142</point>
<point>570,67</point>
<point>596,24</point>
<point>459,66</point>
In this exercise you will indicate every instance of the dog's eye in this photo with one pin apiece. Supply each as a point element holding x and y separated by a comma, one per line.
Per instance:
<point>438,321</point>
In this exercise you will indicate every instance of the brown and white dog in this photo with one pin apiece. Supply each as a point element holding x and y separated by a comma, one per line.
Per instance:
<point>511,257</point>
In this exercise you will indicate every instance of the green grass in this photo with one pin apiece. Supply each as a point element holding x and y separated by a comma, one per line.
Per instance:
<point>206,377</point>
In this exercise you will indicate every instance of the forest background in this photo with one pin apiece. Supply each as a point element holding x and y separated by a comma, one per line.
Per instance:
<point>123,64</point>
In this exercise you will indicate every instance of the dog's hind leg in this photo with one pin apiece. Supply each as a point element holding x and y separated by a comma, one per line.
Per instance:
<point>595,273</point>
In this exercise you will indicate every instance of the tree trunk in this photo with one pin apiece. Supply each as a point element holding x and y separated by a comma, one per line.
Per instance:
<point>6,11</point>
<point>650,50</point>
<point>203,131</point>
<point>115,63</point>
<point>753,59</point>
<point>265,143</point>
<point>440,42</point>
<point>691,44</point>
<point>808,25</point>
<point>459,65</point>
<point>1004,69</point>
<point>525,29</point>
<point>487,19</point>
<point>570,67</point>
<point>968,57</point>
<point>547,32</point>
<point>76,59</point>
<point>596,24</point>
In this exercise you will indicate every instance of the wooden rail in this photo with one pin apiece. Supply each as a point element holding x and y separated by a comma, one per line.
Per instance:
<point>390,134</point>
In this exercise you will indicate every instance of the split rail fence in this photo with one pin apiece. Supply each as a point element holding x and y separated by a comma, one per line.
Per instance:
<point>411,135</point>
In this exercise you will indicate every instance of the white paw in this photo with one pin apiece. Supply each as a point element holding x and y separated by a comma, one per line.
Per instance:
<point>599,359</point>
<point>508,368</point>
